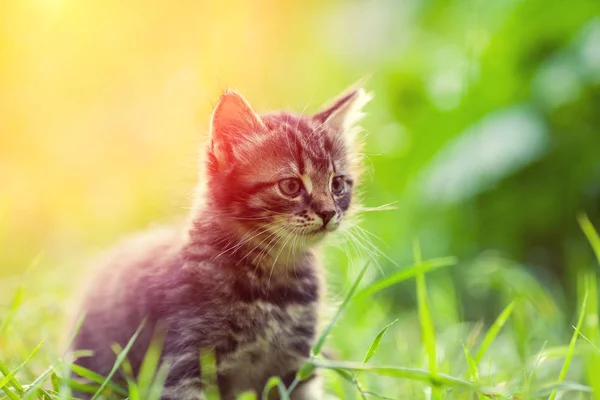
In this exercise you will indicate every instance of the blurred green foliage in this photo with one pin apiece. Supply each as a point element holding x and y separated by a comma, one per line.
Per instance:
<point>483,133</point>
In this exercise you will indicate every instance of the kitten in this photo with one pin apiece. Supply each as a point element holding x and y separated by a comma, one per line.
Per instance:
<point>241,278</point>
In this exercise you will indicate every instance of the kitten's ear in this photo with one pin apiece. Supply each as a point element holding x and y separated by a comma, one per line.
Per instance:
<point>345,111</point>
<point>233,119</point>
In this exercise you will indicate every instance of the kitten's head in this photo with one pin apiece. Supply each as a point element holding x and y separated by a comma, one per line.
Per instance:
<point>290,177</point>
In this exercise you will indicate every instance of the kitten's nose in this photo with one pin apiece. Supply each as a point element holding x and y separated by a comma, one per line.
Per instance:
<point>326,216</point>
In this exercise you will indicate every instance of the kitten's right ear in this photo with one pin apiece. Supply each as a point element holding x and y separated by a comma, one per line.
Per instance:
<point>232,122</point>
<point>345,111</point>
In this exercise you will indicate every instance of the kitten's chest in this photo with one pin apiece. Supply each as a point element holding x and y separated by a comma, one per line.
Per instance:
<point>270,341</point>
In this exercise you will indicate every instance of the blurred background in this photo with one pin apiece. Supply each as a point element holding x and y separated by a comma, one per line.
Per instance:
<point>483,132</point>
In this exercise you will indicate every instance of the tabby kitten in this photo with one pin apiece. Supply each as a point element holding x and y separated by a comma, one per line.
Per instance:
<point>241,278</point>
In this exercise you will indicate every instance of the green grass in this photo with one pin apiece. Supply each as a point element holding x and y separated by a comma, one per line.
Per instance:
<point>418,355</point>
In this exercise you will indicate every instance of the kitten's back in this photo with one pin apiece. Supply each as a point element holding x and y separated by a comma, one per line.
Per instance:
<point>122,291</point>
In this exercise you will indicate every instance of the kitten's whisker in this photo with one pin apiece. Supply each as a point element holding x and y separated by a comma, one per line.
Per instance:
<point>292,251</point>
<point>365,231</point>
<point>272,233</point>
<point>288,236</point>
<point>291,235</point>
<point>243,241</point>
<point>359,250</point>
<point>274,212</point>
<point>304,109</point>
<point>278,239</point>
<point>266,249</point>
<point>250,218</point>
<point>362,233</point>
<point>384,207</point>
<point>364,250</point>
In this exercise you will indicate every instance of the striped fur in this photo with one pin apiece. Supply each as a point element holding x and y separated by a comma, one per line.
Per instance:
<point>241,278</point>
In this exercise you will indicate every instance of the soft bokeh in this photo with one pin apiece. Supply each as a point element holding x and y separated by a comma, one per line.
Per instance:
<point>483,133</point>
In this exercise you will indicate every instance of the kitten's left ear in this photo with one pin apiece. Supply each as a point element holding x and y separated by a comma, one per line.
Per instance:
<point>233,119</point>
<point>233,122</point>
<point>345,111</point>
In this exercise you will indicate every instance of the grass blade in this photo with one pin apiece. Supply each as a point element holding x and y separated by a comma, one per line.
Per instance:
<point>18,388</point>
<point>416,374</point>
<point>208,366</point>
<point>157,386</point>
<point>408,273</point>
<point>118,362</point>
<point>273,382</point>
<point>246,396</point>
<point>34,387</point>
<point>10,377</point>
<point>319,344</point>
<point>572,343</point>
<point>473,370</point>
<point>425,320</point>
<point>591,234</point>
<point>375,344</point>
<point>491,334</point>
<point>563,387</point>
<point>589,329</point>
<point>94,377</point>
<point>316,350</point>
<point>150,363</point>
<point>14,305</point>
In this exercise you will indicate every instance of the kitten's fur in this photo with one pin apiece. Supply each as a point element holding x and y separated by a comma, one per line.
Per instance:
<point>240,279</point>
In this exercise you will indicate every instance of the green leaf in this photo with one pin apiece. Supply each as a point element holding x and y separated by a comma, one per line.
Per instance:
<point>305,371</point>
<point>246,396</point>
<point>377,341</point>
<point>55,380</point>
<point>273,382</point>
<point>407,273</point>
<point>415,374</point>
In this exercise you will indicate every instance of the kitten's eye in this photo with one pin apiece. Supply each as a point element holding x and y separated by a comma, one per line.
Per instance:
<point>290,186</point>
<point>338,186</point>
